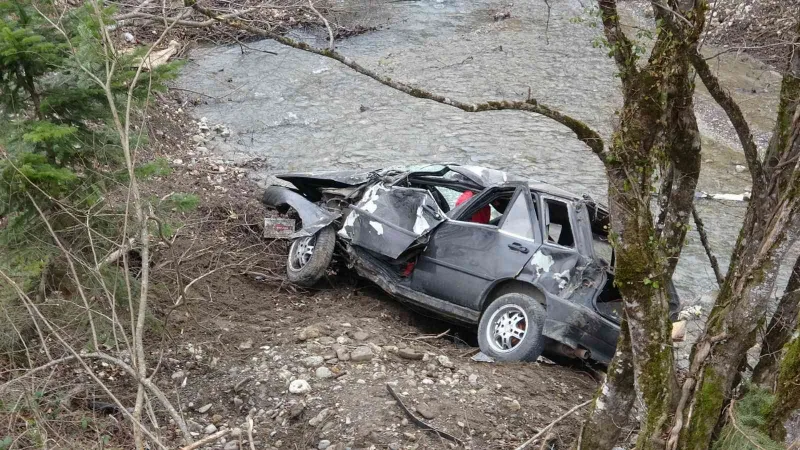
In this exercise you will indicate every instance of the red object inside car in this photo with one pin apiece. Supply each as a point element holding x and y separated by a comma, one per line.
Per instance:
<point>482,216</point>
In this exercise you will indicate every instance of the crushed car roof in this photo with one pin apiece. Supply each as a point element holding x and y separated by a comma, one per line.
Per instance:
<point>483,176</point>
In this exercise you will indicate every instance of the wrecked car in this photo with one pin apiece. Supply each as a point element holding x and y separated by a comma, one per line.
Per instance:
<point>528,263</point>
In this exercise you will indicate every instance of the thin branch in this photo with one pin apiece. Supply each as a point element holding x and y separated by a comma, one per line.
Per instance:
<point>325,21</point>
<point>550,425</point>
<point>207,440</point>
<point>701,230</point>
<point>735,115</point>
<point>582,131</point>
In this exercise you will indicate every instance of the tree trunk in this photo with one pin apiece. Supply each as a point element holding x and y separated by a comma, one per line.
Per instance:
<point>614,400</point>
<point>787,396</point>
<point>779,331</point>
<point>769,229</point>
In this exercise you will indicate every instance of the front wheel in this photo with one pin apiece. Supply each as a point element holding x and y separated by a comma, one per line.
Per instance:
<point>310,256</point>
<point>511,328</point>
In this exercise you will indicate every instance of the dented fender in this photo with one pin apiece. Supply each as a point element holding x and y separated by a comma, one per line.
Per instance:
<point>314,218</point>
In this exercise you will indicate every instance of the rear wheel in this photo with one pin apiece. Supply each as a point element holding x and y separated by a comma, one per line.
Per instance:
<point>310,256</point>
<point>511,328</point>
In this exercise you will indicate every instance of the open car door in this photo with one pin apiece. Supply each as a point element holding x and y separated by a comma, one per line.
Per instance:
<point>390,219</point>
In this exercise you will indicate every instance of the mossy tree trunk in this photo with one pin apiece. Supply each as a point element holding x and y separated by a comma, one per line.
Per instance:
<point>657,129</point>
<point>787,396</point>
<point>779,331</point>
<point>770,227</point>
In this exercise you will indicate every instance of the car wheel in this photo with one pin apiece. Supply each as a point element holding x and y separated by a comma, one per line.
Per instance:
<point>511,328</point>
<point>310,256</point>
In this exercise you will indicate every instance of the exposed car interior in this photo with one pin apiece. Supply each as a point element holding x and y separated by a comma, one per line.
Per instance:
<point>609,302</point>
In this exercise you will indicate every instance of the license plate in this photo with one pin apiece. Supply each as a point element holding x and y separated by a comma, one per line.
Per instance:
<point>278,228</point>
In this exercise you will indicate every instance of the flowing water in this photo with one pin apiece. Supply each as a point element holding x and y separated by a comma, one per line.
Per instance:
<point>300,112</point>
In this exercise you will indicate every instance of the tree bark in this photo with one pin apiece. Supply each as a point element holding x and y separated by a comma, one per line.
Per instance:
<point>770,227</point>
<point>613,401</point>
<point>779,331</point>
<point>787,397</point>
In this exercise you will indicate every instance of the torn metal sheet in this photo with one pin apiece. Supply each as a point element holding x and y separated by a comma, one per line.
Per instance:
<point>389,219</point>
<point>313,217</point>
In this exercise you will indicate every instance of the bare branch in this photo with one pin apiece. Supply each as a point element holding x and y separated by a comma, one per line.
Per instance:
<point>735,115</point>
<point>582,131</point>
<point>701,230</point>
<point>325,21</point>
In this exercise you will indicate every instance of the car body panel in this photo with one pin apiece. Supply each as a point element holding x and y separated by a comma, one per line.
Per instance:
<point>313,217</point>
<point>390,219</point>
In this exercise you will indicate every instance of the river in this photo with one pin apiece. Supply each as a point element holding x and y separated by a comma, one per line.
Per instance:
<point>298,112</point>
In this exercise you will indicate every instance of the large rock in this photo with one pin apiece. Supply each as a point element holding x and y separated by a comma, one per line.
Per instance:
<point>360,354</point>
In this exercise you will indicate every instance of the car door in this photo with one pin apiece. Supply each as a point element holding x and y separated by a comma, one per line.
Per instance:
<point>390,219</point>
<point>463,259</point>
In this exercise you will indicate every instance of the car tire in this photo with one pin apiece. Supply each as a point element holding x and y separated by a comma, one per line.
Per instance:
<point>304,266</point>
<point>511,328</point>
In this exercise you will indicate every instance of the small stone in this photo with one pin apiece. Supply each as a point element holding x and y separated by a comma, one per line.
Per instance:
<point>425,411</point>
<point>179,375</point>
<point>319,418</point>
<point>739,168</point>
<point>407,353</point>
<point>299,387</point>
<point>360,335</point>
<point>513,405</point>
<point>473,379</point>
<point>246,344</point>
<point>323,372</point>
<point>410,436</point>
<point>427,381</point>
<point>323,444</point>
<point>310,332</point>
<point>128,37</point>
<point>236,432</point>
<point>177,162</point>
<point>204,409</point>
<point>394,446</point>
<point>237,402</point>
<point>362,353</point>
<point>198,138</point>
<point>231,445</point>
<point>313,361</point>
<point>296,410</point>
<point>445,362</point>
<point>216,418</point>
<point>210,428</point>
<point>342,340</point>
<point>342,354</point>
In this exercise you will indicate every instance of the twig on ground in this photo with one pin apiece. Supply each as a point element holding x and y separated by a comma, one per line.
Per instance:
<point>432,336</point>
<point>207,439</point>
<point>418,421</point>
<point>550,425</point>
<point>250,433</point>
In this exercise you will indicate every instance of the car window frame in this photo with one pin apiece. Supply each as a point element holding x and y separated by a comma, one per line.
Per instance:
<point>542,222</point>
<point>530,200</point>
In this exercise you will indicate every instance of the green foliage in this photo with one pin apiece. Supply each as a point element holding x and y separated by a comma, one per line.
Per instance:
<point>6,442</point>
<point>182,202</point>
<point>750,417</point>
<point>59,138</point>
